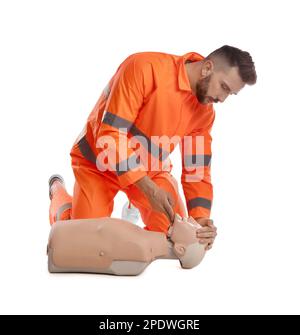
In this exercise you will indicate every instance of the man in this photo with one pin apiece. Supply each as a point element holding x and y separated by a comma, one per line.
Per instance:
<point>153,102</point>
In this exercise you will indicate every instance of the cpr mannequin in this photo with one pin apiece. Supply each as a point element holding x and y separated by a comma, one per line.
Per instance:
<point>114,246</point>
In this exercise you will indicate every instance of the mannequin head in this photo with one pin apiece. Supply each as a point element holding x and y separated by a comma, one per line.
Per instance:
<point>185,243</point>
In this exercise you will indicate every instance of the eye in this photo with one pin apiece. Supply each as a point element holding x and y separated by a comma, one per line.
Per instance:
<point>225,88</point>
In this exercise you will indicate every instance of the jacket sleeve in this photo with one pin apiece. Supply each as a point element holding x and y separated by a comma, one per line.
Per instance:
<point>196,177</point>
<point>130,86</point>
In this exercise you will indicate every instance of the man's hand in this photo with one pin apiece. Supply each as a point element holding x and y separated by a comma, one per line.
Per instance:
<point>160,200</point>
<point>207,233</point>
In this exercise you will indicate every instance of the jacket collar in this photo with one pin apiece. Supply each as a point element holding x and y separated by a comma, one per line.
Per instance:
<point>183,80</point>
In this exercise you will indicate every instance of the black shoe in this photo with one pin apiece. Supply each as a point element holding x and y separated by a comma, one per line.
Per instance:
<point>52,179</point>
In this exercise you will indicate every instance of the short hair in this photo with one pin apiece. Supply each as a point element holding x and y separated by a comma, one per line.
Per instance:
<point>237,57</point>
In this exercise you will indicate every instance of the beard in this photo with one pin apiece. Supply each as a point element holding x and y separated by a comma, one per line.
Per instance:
<point>201,90</point>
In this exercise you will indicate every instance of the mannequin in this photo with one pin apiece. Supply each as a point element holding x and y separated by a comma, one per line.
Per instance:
<point>114,246</point>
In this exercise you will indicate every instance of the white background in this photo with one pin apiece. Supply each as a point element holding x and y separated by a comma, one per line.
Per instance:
<point>56,57</point>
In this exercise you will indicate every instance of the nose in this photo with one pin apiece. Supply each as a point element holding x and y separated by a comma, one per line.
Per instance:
<point>223,97</point>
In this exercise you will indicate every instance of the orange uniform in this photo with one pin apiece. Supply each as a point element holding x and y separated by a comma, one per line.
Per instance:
<point>148,98</point>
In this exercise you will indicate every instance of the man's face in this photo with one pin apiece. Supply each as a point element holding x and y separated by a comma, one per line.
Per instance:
<point>218,84</point>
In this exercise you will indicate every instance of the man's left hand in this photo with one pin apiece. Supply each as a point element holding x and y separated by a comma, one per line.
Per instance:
<point>207,233</point>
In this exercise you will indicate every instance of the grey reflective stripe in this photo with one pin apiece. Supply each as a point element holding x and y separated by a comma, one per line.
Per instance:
<point>86,150</point>
<point>152,148</point>
<point>62,209</point>
<point>106,91</point>
<point>196,160</point>
<point>119,122</point>
<point>116,121</point>
<point>130,163</point>
<point>165,154</point>
<point>199,202</point>
<point>121,167</point>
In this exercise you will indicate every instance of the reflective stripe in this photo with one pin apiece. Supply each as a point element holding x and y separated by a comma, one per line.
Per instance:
<point>106,91</point>
<point>62,209</point>
<point>80,136</point>
<point>127,164</point>
<point>121,167</point>
<point>86,150</point>
<point>116,121</point>
<point>164,155</point>
<point>132,162</point>
<point>196,160</point>
<point>199,202</point>
<point>152,148</point>
<point>119,122</point>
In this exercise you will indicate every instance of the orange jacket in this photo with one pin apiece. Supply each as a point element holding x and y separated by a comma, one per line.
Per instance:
<point>150,95</point>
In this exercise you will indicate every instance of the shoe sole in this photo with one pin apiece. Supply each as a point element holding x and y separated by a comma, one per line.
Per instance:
<point>52,179</point>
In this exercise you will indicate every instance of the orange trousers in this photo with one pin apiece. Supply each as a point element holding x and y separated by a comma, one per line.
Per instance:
<point>94,192</point>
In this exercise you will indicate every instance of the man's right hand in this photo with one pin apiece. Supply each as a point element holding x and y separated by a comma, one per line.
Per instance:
<point>160,200</point>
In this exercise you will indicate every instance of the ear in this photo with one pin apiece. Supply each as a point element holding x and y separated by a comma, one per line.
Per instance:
<point>179,249</point>
<point>207,68</point>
